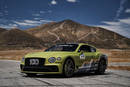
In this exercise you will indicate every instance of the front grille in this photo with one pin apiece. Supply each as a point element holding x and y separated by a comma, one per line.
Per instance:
<point>41,61</point>
<point>41,69</point>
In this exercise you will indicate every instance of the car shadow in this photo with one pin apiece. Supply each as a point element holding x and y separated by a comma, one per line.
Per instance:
<point>76,75</point>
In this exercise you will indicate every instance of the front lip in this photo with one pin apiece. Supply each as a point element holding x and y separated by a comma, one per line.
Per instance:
<point>51,68</point>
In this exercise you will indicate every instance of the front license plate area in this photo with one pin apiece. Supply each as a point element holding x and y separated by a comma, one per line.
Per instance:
<point>34,62</point>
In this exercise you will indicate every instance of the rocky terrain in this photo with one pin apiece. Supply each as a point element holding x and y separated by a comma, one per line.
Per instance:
<point>18,39</point>
<point>68,31</point>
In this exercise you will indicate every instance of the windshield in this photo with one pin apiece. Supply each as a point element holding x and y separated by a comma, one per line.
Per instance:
<point>63,47</point>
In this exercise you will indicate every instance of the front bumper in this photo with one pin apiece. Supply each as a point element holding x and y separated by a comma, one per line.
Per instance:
<point>50,69</point>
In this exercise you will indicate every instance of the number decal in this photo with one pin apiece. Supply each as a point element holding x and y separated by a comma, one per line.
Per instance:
<point>82,56</point>
<point>34,61</point>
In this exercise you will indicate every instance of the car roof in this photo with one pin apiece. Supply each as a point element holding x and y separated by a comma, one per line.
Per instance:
<point>74,44</point>
<point>79,44</point>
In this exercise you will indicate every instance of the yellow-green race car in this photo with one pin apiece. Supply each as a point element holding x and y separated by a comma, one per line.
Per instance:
<point>65,59</point>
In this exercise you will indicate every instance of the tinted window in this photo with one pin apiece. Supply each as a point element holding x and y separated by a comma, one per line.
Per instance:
<point>93,49</point>
<point>63,47</point>
<point>85,48</point>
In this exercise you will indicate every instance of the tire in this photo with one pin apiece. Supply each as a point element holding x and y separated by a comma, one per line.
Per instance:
<point>101,67</point>
<point>30,74</point>
<point>68,68</point>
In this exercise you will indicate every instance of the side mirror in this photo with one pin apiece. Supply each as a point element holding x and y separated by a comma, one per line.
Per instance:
<point>81,51</point>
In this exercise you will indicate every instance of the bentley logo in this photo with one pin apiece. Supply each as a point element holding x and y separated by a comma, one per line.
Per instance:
<point>34,61</point>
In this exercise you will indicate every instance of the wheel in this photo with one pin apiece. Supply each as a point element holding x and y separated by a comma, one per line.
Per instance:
<point>101,67</point>
<point>68,68</point>
<point>30,74</point>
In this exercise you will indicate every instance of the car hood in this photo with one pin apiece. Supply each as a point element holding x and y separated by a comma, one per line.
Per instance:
<point>48,54</point>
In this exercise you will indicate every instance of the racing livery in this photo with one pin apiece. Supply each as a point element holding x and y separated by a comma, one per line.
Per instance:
<point>65,59</point>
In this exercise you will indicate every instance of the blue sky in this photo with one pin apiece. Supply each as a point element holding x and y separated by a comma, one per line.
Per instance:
<point>110,14</point>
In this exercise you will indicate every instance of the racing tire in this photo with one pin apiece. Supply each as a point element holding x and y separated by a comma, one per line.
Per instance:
<point>68,68</point>
<point>101,67</point>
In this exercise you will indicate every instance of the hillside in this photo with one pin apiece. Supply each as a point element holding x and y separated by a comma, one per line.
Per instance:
<point>18,39</point>
<point>72,32</point>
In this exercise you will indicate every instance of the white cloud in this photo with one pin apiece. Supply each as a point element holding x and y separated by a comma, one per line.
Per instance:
<point>27,23</point>
<point>36,14</point>
<point>121,8</point>
<point>125,21</point>
<point>37,18</point>
<point>53,2</point>
<point>31,22</point>
<point>121,26</point>
<point>42,12</point>
<point>8,26</point>
<point>111,23</point>
<point>23,23</point>
<point>45,21</point>
<point>72,1</point>
<point>49,11</point>
<point>127,10</point>
<point>6,11</point>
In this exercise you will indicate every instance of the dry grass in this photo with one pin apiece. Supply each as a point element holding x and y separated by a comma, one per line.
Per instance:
<point>119,60</point>
<point>117,55</point>
<point>15,54</point>
<point>113,55</point>
<point>119,67</point>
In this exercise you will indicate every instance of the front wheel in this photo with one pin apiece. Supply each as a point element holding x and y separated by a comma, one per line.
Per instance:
<point>68,68</point>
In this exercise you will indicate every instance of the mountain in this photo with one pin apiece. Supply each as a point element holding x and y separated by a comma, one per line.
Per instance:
<point>68,31</point>
<point>18,39</point>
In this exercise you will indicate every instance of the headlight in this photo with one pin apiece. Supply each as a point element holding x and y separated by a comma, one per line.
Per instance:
<point>22,60</point>
<point>58,58</point>
<point>52,59</point>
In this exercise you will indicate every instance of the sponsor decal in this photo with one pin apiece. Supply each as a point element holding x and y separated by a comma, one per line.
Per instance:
<point>82,56</point>
<point>87,64</point>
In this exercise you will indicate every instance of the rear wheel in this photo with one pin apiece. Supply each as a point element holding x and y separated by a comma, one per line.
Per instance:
<point>101,67</point>
<point>68,68</point>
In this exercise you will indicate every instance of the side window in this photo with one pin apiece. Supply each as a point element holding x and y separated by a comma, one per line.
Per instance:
<point>85,48</point>
<point>93,49</point>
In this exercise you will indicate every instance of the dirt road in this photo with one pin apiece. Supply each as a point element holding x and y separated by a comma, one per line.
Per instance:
<point>10,76</point>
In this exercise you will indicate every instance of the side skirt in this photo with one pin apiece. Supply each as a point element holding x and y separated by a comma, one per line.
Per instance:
<point>88,68</point>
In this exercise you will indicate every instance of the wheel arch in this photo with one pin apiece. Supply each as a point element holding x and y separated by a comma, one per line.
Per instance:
<point>69,57</point>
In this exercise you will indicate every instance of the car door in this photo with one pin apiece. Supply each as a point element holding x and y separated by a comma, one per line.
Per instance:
<point>87,56</point>
<point>94,58</point>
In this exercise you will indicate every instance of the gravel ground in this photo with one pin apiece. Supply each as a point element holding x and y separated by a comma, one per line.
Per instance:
<point>10,76</point>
